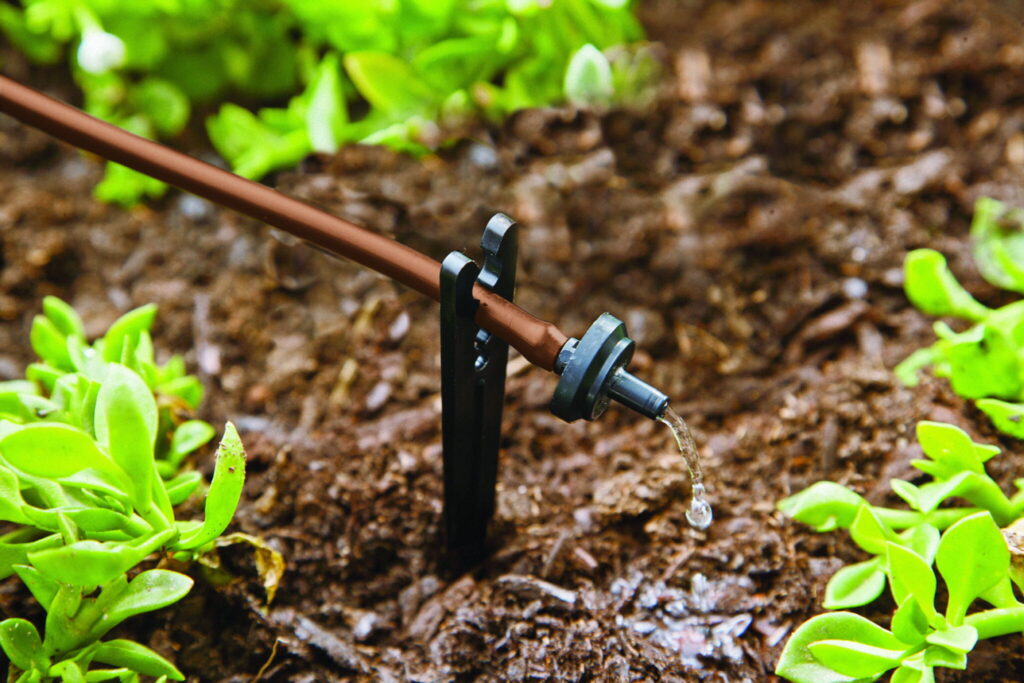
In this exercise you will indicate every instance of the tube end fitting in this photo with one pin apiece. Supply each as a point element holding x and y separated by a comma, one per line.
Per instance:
<point>633,392</point>
<point>594,371</point>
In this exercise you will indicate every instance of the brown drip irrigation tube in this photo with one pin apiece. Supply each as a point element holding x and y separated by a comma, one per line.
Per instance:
<point>539,341</point>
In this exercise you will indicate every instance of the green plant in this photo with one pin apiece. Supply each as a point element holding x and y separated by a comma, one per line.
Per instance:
<point>986,361</point>
<point>377,71</point>
<point>964,545</point>
<point>89,499</point>
<point>69,370</point>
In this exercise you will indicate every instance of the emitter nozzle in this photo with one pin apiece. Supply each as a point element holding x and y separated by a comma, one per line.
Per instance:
<point>593,370</point>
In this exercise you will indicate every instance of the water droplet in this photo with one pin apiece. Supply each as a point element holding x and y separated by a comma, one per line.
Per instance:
<point>699,515</point>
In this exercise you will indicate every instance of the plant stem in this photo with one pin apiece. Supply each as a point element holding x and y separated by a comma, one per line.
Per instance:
<point>155,517</point>
<point>997,622</point>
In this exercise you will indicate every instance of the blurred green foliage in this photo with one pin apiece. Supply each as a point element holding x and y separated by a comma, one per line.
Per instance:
<point>391,72</point>
<point>985,362</point>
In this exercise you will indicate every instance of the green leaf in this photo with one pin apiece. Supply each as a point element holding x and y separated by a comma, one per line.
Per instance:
<point>64,318</point>
<point>225,491</point>
<point>76,395</point>
<point>11,502</point>
<point>49,343</point>
<point>951,446</point>
<point>326,114</point>
<point>456,63</point>
<point>189,436</point>
<point>972,558</point>
<point>910,575</point>
<point>588,78</point>
<point>183,486</point>
<point>151,590</point>
<point>113,484</point>
<point>69,672</point>
<point>907,491</point>
<point>913,672</point>
<point>907,370</point>
<point>127,187</point>
<point>855,659</point>
<point>49,493</point>
<point>936,655</point>
<point>62,633</point>
<point>15,550</point>
<point>38,46</point>
<point>909,622</point>
<point>998,244</point>
<point>136,657</point>
<point>870,532</point>
<point>92,563</point>
<point>825,506</point>
<point>126,424</point>
<point>163,103</point>
<point>23,407</point>
<point>43,589</point>
<point>18,386</point>
<point>95,520</point>
<point>125,328</point>
<point>933,289</point>
<point>978,489</point>
<point>1007,417</point>
<point>189,389</point>
<point>798,663</point>
<point>389,84</point>
<point>122,675</point>
<point>161,501</point>
<point>961,639</point>
<point>983,361</point>
<point>1001,594</point>
<point>174,368</point>
<point>53,450</point>
<point>45,375</point>
<point>855,585</point>
<point>142,360</point>
<point>21,643</point>
<point>251,146</point>
<point>923,539</point>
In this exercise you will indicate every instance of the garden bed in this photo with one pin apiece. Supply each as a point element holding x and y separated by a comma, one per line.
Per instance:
<point>750,229</point>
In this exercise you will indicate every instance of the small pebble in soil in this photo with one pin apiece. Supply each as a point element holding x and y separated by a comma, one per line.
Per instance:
<point>855,288</point>
<point>364,627</point>
<point>482,156</point>
<point>378,396</point>
<point>194,208</point>
<point>74,169</point>
<point>399,328</point>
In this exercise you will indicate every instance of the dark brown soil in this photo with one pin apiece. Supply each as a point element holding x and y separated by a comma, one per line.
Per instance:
<point>750,230</point>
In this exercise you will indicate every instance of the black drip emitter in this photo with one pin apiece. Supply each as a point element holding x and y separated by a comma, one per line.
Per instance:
<point>473,366</point>
<point>593,371</point>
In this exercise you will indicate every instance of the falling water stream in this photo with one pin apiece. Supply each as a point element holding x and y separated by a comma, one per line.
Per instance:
<point>699,515</point>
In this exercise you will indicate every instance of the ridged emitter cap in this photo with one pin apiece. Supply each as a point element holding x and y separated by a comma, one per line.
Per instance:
<point>593,371</point>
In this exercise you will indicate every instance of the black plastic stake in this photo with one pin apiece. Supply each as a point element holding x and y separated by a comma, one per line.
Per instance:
<point>473,390</point>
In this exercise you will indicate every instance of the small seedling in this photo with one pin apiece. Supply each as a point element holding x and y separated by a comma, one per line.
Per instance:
<point>81,481</point>
<point>964,544</point>
<point>70,370</point>
<point>986,361</point>
<point>403,67</point>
